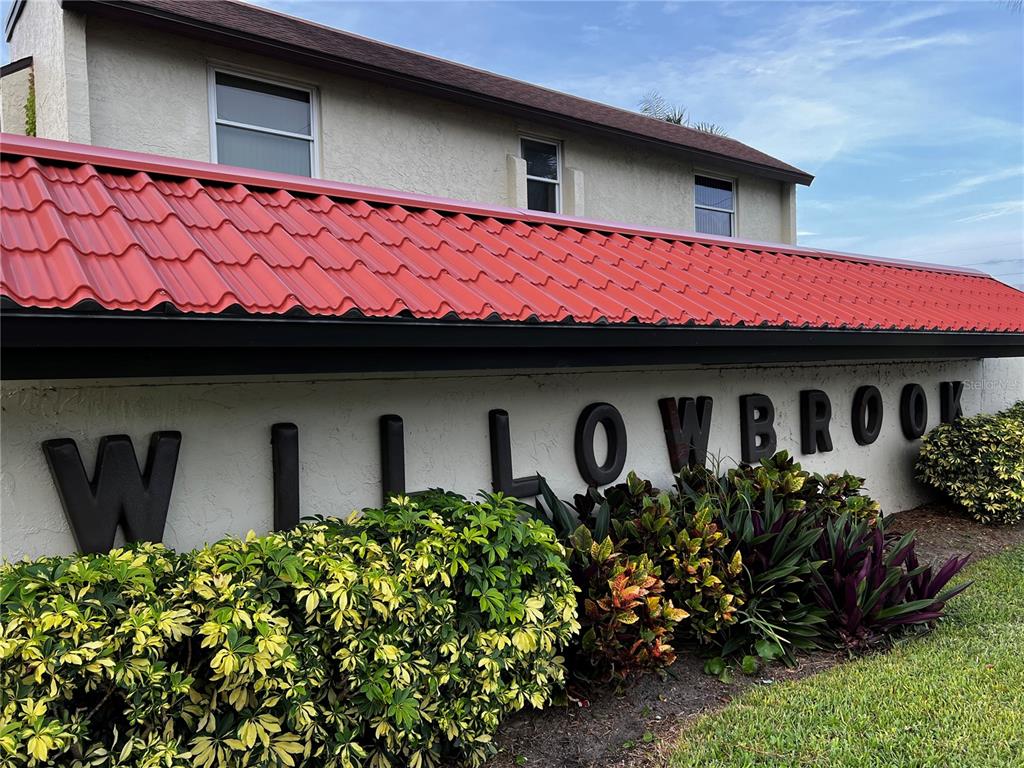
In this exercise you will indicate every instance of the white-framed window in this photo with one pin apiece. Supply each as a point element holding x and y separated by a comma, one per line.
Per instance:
<point>261,123</point>
<point>543,173</point>
<point>714,205</point>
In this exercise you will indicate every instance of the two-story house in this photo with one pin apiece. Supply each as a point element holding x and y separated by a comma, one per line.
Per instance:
<point>237,84</point>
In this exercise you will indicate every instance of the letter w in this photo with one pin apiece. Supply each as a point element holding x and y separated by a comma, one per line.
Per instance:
<point>119,492</point>
<point>686,437</point>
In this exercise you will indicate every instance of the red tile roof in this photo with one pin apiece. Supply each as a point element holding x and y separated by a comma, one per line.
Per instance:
<point>134,232</point>
<point>279,35</point>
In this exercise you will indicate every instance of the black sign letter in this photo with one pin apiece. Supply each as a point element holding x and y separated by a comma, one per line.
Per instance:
<point>815,414</point>
<point>757,427</point>
<point>608,416</point>
<point>867,414</point>
<point>687,436</point>
<point>119,491</point>
<point>392,456</point>
<point>949,397</point>
<point>913,411</point>
<point>501,460</point>
<point>284,439</point>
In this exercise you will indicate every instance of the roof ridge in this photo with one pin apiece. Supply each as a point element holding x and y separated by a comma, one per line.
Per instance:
<point>124,160</point>
<point>490,73</point>
<point>331,48</point>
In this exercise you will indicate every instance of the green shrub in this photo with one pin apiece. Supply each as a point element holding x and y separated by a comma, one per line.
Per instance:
<point>627,623</point>
<point>979,463</point>
<point>399,638</point>
<point>798,489</point>
<point>648,570</point>
<point>774,512</point>
<point>684,540</point>
<point>776,544</point>
<point>872,585</point>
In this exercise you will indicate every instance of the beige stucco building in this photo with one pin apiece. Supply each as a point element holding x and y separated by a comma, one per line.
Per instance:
<point>143,76</point>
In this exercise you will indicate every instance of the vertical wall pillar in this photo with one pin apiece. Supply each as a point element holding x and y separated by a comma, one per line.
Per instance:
<point>573,193</point>
<point>76,73</point>
<point>788,212</point>
<point>516,182</point>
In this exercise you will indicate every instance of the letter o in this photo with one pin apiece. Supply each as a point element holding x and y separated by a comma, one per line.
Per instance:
<point>913,411</point>
<point>586,425</point>
<point>867,415</point>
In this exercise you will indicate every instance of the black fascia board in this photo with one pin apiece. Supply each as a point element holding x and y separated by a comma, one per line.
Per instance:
<point>61,344</point>
<point>16,66</point>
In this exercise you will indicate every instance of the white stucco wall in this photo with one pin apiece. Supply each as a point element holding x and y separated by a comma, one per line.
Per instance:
<point>148,93</point>
<point>1000,384</point>
<point>224,482</point>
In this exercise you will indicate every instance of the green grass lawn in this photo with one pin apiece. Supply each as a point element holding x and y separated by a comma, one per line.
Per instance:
<point>952,698</point>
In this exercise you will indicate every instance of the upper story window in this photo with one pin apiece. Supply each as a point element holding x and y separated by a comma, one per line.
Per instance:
<point>715,206</point>
<point>543,175</point>
<point>260,124</point>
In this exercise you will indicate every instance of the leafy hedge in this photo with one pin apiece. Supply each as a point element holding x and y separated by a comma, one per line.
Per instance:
<point>648,570</point>
<point>403,636</point>
<point>762,561</point>
<point>774,512</point>
<point>979,463</point>
<point>399,638</point>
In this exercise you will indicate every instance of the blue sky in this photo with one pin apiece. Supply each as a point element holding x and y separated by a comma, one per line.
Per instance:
<point>909,114</point>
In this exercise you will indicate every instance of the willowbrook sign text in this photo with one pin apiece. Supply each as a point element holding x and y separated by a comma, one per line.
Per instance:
<point>120,493</point>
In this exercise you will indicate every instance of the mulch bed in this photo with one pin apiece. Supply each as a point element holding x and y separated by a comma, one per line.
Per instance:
<point>624,727</point>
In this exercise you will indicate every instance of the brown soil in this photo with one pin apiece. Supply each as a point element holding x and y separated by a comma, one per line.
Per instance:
<point>631,726</point>
<point>942,533</point>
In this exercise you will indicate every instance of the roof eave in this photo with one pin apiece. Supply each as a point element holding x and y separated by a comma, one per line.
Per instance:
<point>55,344</point>
<point>195,28</point>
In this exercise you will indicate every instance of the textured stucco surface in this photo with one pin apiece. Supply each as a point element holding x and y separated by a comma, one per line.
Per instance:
<point>1000,383</point>
<point>14,92</point>
<point>224,483</point>
<point>148,93</point>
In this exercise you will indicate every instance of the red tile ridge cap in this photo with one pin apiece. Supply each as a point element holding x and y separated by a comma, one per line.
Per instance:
<point>106,157</point>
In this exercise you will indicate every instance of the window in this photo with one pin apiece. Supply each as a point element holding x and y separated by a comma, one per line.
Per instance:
<point>543,175</point>
<point>259,124</point>
<point>715,206</point>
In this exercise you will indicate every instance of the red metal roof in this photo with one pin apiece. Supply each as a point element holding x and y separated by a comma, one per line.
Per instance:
<point>133,232</point>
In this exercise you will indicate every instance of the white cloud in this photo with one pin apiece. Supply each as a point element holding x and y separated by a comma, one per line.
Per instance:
<point>970,184</point>
<point>995,211</point>
<point>822,82</point>
<point>982,248</point>
<point>924,12</point>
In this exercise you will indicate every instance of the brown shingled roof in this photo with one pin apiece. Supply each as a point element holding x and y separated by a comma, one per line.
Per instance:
<point>280,35</point>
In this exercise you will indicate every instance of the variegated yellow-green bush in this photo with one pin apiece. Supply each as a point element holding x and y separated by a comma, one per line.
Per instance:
<point>979,463</point>
<point>399,638</point>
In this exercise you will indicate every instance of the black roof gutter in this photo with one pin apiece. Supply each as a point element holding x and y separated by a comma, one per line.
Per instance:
<point>55,344</point>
